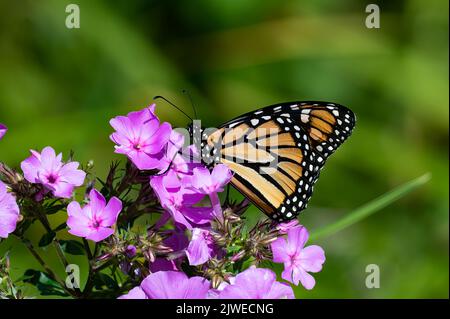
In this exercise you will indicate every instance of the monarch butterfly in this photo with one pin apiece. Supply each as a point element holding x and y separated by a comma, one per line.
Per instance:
<point>276,153</point>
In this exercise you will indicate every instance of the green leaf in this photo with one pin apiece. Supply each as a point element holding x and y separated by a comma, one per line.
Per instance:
<point>102,280</point>
<point>47,239</point>
<point>234,249</point>
<point>54,209</point>
<point>370,208</point>
<point>43,283</point>
<point>60,227</point>
<point>72,247</point>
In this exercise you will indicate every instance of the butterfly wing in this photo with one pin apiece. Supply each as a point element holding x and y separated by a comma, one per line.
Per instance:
<point>328,125</point>
<point>276,153</point>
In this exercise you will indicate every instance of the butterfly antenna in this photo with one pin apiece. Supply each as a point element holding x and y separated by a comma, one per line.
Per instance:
<point>163,98</point>
<point>192,103</point>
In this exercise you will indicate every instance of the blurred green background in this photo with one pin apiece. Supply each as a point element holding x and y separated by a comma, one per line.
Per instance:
<point>61,86</point>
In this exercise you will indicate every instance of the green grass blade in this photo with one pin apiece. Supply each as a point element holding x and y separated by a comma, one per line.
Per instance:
<point>371,207</point>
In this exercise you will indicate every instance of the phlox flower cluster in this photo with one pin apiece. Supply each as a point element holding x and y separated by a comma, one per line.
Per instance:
<point>160,219</point>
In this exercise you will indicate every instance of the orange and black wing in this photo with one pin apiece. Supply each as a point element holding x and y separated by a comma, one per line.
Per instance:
<point>276,153</point>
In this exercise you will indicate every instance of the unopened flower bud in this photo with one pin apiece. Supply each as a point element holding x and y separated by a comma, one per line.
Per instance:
<point>130,251</point>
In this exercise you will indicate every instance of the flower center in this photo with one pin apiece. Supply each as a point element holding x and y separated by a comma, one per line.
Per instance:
<point>137,146</point>
<point>95,223</point>
<point>52,178</point>
<point>294,259</point>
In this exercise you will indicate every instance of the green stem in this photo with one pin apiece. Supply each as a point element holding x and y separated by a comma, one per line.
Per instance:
<point>59,251</point>
<point>370,208</point>
<point>90,281</point>
<point>44,265</point>
<point>62,257</point>
<point>88,249</point>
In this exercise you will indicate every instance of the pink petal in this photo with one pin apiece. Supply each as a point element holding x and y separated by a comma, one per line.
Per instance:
<point>30,168</point>
<point>198,251</point>
<point>297,237</point>
<point>80,223</point>
<point>176,140</point>
<point>100,233</point>
<point>159,139</point>
<point>278,247</point>
<point>3,130</point>
<point>141,117</point>
<point>78,218</point>
<point>196,288</point>
<point>71,174</point>
<point>7,224</point>
<point>174,285</point>
<point>2,190</point>
<point>79,230</point>
<point>312,258</point>
<point>221,174</point>
<point>171,181</point>
<point>306,279</point>
<point>198,215</point>
<point>123,126</point>
<point>120,139</point>
<point>256,283</point>
<point>135,293</point>
<point>148,129</point>
<point>143,161</point>
<point>280,291</point>
<point>61,189</point>
<point>48,158</point>
<point>201,178</point>
<point>288,274</point>
<point>74,209</point>
<point>283,228</point>
<point>97,201</point>
<point>164,284</point>
<point>110,212</point>
<point>9,212</point>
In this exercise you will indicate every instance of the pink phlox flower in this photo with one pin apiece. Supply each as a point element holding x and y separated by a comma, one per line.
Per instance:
<point>95,220</point>
<point>170,285</point>
<point>141,138</point>
<point>206,182</point>
<point>9,212</point>
<point>47,168</point>
<point>255,283</point>
<point>283,228</point>
<point>298,260</point>
<point>178,198</point>
<point>210,183</point>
